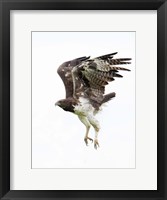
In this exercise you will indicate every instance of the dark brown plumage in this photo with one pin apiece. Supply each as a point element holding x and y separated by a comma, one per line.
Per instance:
<point>85,80</point>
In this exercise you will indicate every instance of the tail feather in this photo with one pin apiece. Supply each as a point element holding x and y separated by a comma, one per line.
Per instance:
<point>108,97</point>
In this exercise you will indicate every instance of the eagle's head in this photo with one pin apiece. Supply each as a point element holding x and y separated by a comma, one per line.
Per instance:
<point>66,104</point>
<point>61,103</point>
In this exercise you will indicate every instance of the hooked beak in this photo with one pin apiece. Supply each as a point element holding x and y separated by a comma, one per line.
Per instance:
<point>57,103</point>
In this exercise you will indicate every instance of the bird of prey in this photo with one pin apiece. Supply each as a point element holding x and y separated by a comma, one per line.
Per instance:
<point>85,80</point>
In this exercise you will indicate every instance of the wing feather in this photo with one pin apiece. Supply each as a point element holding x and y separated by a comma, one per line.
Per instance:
<point>88,77</point>
<point>64,72</point>
<point>98,72</point>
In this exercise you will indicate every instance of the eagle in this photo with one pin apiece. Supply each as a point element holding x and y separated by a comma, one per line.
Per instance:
<point>85,79</point>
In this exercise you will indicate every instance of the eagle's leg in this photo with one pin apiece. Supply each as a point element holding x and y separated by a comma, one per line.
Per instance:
<point>85,121</point>
<point>96,143</point>
<point>96,127</point>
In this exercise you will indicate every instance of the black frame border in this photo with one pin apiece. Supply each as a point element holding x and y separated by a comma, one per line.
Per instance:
<point>5,7</point>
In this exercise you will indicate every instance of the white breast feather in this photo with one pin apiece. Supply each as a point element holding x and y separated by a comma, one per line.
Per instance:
<point>84,107</point>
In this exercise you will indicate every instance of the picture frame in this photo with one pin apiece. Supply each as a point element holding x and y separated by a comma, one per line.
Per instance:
<point>5,8</point>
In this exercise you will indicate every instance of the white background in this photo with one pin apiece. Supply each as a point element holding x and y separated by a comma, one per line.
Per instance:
<point>22,176</point>
<point>57,136</point>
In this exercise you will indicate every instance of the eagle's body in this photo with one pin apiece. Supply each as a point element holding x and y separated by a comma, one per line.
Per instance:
<point>84,80</point>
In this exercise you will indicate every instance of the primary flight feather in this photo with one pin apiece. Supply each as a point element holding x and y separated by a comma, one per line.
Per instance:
<point>85,80</point>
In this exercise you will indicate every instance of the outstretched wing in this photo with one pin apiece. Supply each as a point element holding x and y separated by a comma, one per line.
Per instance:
<point>94,74</point>
<point>64,72</point>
